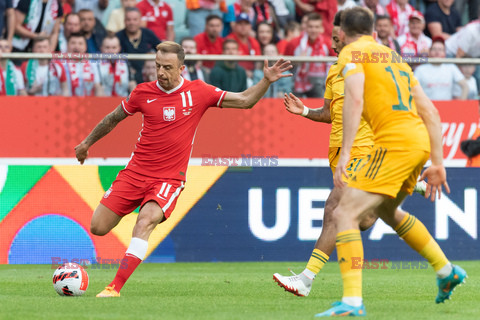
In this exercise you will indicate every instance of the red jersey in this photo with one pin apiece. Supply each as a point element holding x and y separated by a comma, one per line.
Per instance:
<point>158,16</point>
<point>170,120</point>
<point>205,46</point>
<point>251,48</point>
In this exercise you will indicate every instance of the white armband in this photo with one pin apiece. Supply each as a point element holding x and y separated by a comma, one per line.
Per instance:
<point>305,111</point>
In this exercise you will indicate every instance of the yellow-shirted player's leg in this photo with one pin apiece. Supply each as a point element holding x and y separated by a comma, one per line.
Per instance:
<point>416,235</point>
<point>317,261</point>
<point>350,257</point>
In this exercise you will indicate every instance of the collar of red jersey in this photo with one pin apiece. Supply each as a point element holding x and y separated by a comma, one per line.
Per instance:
<point>153,4</point>
<point>172,90</point>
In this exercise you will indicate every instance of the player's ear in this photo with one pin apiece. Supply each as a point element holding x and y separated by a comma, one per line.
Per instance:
<point>341,35</point>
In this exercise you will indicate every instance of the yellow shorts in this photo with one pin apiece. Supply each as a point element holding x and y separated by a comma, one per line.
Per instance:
<point>356,156</point>
<point>387,172</point>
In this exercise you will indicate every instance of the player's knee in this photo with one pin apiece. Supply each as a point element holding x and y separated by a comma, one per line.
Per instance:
<point>95,229</point>
<point>328,213</point>
<point>367,222</point>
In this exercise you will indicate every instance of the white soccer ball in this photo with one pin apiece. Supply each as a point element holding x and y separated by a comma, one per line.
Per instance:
<point>70,279</point>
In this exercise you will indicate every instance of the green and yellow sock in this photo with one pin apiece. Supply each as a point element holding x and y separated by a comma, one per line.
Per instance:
<point>317,261</point>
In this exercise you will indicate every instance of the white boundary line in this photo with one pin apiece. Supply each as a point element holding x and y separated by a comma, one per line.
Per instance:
<point>455,163</point>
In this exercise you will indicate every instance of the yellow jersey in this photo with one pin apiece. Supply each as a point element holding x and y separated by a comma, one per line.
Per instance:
<point>334,91</point>
<point>389,107</point>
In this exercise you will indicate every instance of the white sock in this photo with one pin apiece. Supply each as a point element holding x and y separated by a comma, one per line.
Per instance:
<point>138,248</point>
<point>309,274</point>
<point>445,271</point>
<point>353,301</point>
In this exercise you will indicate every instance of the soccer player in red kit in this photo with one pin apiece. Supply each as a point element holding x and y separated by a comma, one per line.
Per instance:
<point>154,177</point>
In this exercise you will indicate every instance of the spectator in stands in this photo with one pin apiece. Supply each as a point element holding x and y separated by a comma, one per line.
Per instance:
<point>193,68</point>
<point>438,80</point>
<point>42,76</point>
<point>384,28</point>
<point>374,6</point>
<point>82,75</point>
<point>310,76</point>
<point>281,12</point>
<point>70,25</point>
<point>228,75</point>
<point>234,10</point>
<point>135,39</point>
<point>200,10</point>
<point>116,22</point>
<point>471,148</point>
<point>265,35</point>
<point>92,29</point>
<point>46,22</point>
<point>400,12</point>
<point>210,41</point>
<point>292,30</point>
<point>442,19</point>
<point>467,70</point>
<point>325,8</point>
<point>415,42</point>
<point>114,74</point>
<point>465,42</point>
<point>276,89</point>
<point>7,20</point>
<point>11,79</point>
<point>149,71</point>
<point>157,16</point>
<point>98,7</point>
<point>264,12</point>
<point>345,4</point>
<point>247,45</point>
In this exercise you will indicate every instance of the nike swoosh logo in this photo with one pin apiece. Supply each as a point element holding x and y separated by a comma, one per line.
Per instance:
<point>148,100</point>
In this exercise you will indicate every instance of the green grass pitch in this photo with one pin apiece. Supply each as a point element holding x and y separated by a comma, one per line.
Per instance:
<point>231,291</point>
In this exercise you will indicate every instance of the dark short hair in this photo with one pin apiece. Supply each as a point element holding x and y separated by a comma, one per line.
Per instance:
<point>172,47</point>
<point>212,17</point>
<point>84,10</point>
<point>76,35</point>
<point>227,41</point>
<point>337,19</point>
<point>314,16</point>
<point>40,39</point>
<point>357,21</point>
<point>70,14</point>
<point>382,17</point>
<point>132,9</point>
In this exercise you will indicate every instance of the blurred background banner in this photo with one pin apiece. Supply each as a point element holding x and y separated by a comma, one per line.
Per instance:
<point>224,214</point>
<point>51,127</point>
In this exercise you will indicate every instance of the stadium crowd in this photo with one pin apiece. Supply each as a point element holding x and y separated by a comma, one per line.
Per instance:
<point>415,30</point>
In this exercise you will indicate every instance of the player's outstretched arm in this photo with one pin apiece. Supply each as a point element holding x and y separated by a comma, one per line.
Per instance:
<point>248,98</point>
<point>436,174</point>
<point>296,106</point>
<point>101,129</point>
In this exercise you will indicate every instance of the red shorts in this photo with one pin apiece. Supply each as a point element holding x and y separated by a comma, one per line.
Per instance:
<point>130,190</point>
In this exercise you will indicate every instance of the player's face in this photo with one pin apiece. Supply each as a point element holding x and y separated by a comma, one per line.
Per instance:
<point>111,45</point>
<point>41,46</point>
<point>169,70</point>
<point>337,44</point>
<point>314,29</point>
<point>213,28</point>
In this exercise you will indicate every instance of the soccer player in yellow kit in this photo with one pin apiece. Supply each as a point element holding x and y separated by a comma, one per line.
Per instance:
<point>387,95</point>
<point>331,112</point>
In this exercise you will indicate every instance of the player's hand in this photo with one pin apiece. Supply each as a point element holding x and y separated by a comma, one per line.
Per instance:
<point>436,177</point>
<point>340,172</point>
<point>276,71</point>
<point>293,104</point>
<point>81,152</point>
